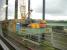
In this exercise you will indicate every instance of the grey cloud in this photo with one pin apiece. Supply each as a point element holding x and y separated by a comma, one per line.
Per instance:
<point>1,2</point>
<point>53,7</point>
<point>56,7</point>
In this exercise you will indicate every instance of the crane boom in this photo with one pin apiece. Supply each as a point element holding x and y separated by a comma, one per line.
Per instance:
<point>23,11</point>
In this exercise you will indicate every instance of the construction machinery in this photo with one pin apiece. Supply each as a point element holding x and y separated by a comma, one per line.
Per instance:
<point>23,11</point>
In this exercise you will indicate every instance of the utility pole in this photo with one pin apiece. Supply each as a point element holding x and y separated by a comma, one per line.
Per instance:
<point>43,9</point>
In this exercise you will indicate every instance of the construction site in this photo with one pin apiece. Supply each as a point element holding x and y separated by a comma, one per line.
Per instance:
<point>23,26</point>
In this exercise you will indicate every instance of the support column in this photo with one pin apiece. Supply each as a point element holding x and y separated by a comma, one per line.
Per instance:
<point>16,16</point>
<point>6,10</point>
<point>28,9</point>
<point>16,9</point>
<point>43,9</point>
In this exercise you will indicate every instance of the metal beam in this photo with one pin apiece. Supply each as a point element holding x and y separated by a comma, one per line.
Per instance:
<point>6,10</point>
<point>16,9</point>
<point>43,9</point>
<point>28,9</point>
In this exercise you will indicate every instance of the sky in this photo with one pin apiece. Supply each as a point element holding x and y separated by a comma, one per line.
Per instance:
<point>2,10</point>
<point>54,9</point>
<point>11,8</point>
